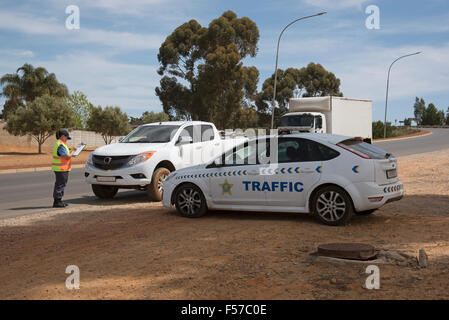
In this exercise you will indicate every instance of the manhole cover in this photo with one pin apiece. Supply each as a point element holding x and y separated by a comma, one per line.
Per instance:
<point>355,251</point>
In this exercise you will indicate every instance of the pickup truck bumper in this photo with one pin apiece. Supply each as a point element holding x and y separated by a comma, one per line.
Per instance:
<point>138,175</point>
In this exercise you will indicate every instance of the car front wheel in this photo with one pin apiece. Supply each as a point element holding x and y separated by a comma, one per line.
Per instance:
<point>190,201</point>
<point>332,206</point>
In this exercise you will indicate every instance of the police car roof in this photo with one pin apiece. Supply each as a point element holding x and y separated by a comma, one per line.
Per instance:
<point>324,137</point>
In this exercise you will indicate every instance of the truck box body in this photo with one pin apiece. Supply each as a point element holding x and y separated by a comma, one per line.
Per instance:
<point>344,116</point>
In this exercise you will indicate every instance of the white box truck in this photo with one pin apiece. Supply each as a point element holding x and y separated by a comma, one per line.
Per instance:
<point>336,115</point>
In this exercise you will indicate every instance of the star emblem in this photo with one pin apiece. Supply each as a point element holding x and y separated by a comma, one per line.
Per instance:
<point>226,187</point>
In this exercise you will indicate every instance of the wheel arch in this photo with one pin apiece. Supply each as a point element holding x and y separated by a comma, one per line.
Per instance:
<point>175,190</point>
<point>165,164</point>
<point>323,185</point>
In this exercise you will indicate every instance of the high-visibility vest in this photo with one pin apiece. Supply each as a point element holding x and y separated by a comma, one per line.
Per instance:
<point>59,163</point>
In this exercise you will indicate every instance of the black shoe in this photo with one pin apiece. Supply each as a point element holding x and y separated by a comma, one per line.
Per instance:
<point>65,204</point>
<point>58,204</point>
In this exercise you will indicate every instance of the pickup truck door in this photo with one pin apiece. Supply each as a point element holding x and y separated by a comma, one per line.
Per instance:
<point>210,143</point>
<point>191,153</point>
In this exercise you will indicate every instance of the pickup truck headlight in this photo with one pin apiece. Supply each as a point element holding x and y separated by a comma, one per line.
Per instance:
<point>141,157</point>
<point>89,159</point>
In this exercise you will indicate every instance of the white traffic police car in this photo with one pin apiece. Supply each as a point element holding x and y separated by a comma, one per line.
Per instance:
<point>328,175</point>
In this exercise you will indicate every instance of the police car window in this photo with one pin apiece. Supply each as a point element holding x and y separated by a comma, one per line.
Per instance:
<point>303,150</point>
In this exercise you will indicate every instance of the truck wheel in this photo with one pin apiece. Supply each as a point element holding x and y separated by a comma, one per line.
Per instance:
<point>154,190</point>
<point>366,212</point>
<point>104,192</point>
<point>190,201</point>
<point>332,206</point>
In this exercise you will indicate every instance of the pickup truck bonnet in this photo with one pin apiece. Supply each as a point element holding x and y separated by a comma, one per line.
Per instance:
<point>127,149</point>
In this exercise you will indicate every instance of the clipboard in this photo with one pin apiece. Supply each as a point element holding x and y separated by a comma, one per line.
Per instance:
<point>79,149</point>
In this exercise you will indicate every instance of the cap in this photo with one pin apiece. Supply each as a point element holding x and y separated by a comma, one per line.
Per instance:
<point>63,133</point>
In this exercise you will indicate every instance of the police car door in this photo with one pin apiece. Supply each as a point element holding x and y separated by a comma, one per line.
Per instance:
<point>237,182</point>
<point>296,172</point>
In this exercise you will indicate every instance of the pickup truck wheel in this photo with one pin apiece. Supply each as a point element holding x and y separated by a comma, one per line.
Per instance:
<point>104,192</point>
<point>332,206</point>
<point>190,201</point>
<point>154,190</point>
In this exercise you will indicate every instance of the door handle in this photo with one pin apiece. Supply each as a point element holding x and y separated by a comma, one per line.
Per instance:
<point>198,148</point>
<point>253,173</point>
<point>307,170</point>
<point>217,144</point>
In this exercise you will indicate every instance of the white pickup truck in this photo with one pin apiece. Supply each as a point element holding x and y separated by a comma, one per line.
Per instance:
<point>145,157</point>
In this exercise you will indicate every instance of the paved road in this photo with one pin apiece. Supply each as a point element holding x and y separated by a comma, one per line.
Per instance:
<point>28,193</point>
<point>439,139</point>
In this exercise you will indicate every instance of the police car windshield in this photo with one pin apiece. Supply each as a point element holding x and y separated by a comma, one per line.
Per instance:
<point>303,120</point>
<point>151,134</point>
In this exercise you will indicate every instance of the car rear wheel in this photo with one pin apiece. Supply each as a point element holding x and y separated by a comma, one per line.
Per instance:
<point>332,206</point>
<point>104,192</point>
<point>154,190</point>
<point>190,201</point>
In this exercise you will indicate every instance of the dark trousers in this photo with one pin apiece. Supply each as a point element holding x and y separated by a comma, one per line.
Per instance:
<point>61,181</point>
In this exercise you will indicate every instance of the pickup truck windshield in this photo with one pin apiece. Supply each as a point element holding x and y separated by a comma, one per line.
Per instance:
<point>151,134</point>
<point>303,120</point>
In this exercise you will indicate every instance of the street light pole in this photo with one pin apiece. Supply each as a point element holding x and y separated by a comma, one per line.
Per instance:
<point>388,82</point>
<point>277,54</point>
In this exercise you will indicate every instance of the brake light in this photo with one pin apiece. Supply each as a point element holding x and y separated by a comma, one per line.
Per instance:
<point>375,199</point>
<point>358,153</point>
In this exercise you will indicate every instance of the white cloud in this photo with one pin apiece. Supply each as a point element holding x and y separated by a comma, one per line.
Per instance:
<point>33,25</point>
<point>17,52</point>
<point>105,82</point>
<point>336,4</point>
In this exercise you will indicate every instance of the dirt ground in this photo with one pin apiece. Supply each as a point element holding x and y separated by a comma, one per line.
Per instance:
<point>141,250</point>
<point>13,157</point>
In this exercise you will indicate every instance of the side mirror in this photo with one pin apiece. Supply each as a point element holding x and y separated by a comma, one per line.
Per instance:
<point>184,140</point>
<point>121,139</point>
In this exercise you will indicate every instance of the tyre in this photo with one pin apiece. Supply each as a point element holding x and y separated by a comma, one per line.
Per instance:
<point>104,192</point>
<point>154,190</point>
<point>366,212</point>
<point>190,201</point>
<point>332,206</point>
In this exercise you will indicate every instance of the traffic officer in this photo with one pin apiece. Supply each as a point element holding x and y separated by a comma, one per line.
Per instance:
<point>61,165</point>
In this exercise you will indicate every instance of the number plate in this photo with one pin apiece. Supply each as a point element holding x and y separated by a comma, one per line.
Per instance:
<point>393,173</point>
<point>105,179</point>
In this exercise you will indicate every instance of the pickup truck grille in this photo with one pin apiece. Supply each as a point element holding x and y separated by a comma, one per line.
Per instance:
<point>116,162</point>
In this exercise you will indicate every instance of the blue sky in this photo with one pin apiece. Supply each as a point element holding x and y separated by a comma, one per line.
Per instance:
<point>112,58</point>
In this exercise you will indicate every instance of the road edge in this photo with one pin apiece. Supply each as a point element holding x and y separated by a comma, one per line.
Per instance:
<point>21,170</point>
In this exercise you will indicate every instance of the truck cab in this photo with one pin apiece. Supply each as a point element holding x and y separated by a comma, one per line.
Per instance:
<point>313,122</point>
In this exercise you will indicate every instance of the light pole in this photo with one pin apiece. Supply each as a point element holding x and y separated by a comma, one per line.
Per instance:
<point>277,54</point>
<point>388,82</point>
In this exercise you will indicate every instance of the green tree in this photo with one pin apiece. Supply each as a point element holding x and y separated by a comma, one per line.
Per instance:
<point>150,117</point>
<point>431,116</point>
<point>202,69</point>
<point>447,117</point>
<point>316,81</point>
<point>407,122</point>
<point>27,84</point>
<point>418,109</point>
<point>309,81</point>
<point>109,122</point>
<point>40,118</point>
<point>81,107</point>
<point>378,129</point>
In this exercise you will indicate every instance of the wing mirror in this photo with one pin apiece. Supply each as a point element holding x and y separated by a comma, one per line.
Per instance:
<point>215,163</point>
<point>184,140</point>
